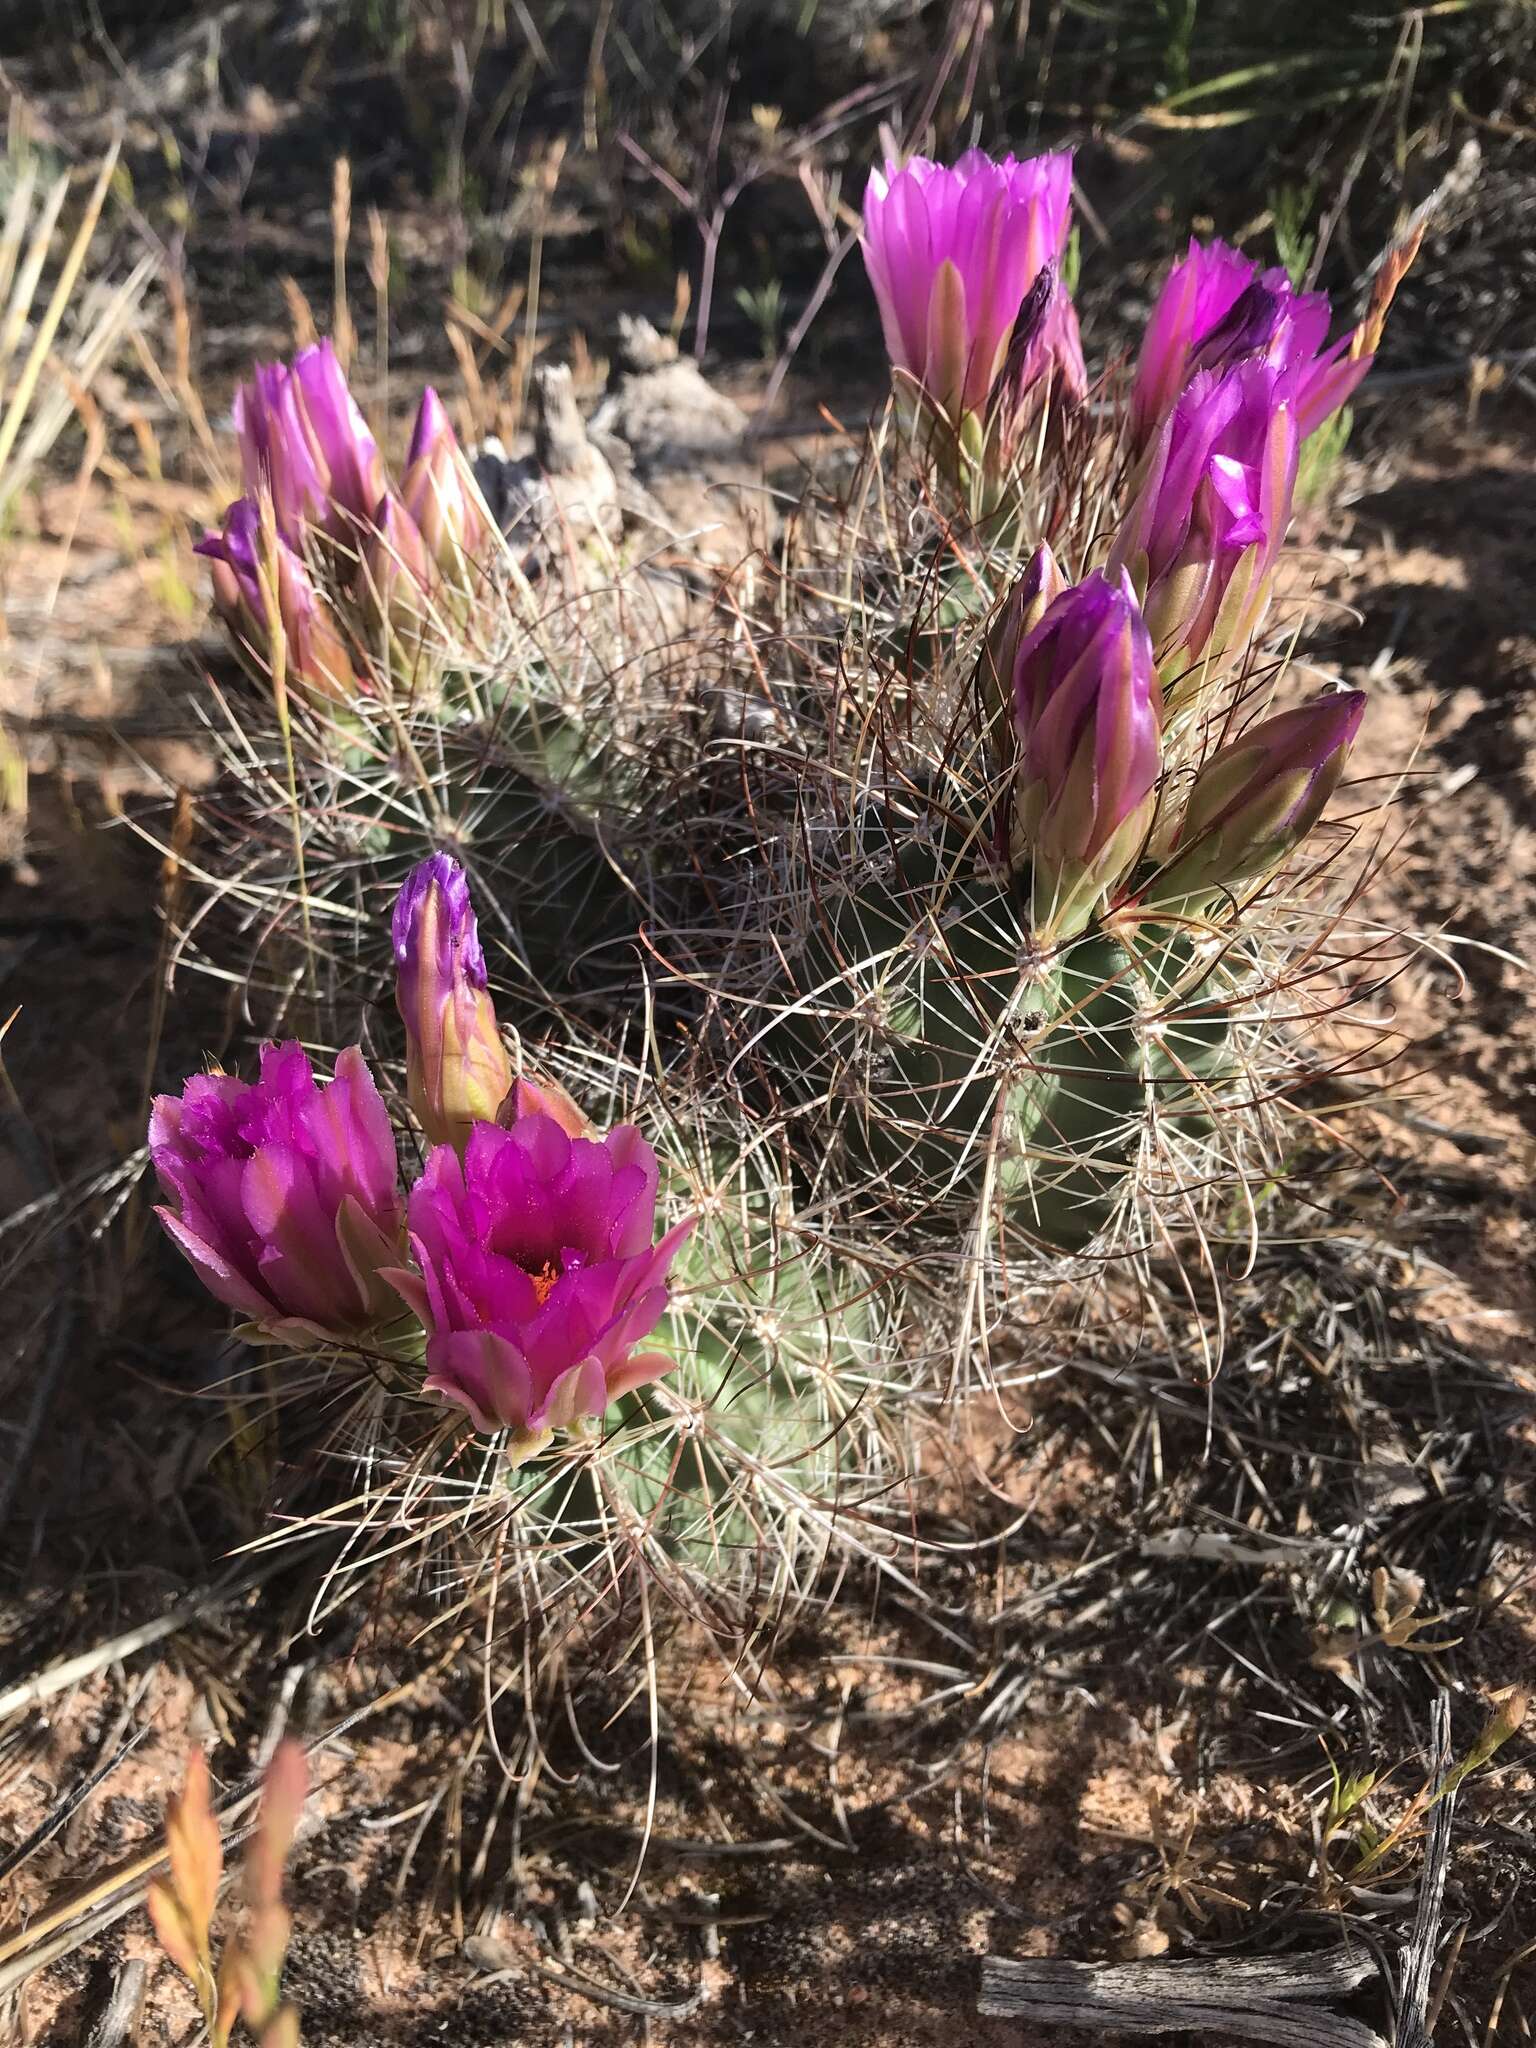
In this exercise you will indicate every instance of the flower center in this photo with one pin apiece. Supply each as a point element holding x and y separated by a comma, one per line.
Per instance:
<point>544,1279</point>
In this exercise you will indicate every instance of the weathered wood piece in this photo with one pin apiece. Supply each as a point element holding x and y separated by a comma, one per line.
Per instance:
<point>1274,1999</point>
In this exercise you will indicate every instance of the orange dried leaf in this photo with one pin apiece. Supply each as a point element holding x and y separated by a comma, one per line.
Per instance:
<point>1394,267</point>
<point>282,2030</point>
<point>173,1931</point>
<point>266,1944</point>
<point>196,1851</point>
<point>282,1802</point>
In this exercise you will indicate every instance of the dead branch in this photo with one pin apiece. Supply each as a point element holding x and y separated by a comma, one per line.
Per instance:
<point>1268,1998</point>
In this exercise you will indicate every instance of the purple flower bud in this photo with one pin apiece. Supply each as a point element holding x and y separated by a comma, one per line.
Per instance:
<point>318,661</point>
<point>439,492</point>
<point>1217,309</point>
<point>951,253</point>
<point>538,1273</point>
<point>1088,712</point>
<point>316,657</point>
<point>303,439</point>
<point>1258,797</point>
<point>1211,507</point>
<point>531,1097</point>
<point>235,573</point>
<point>339,432</point>
<point>277,454</point>
<point>1021,611</point>
<point>1046,348</point>
<point>432,429</point>
<point>397,580</point>
<point>282,1193</point>
<point>458,1073</point>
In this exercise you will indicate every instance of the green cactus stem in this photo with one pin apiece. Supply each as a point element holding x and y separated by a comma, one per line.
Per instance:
<point>959,1065</point>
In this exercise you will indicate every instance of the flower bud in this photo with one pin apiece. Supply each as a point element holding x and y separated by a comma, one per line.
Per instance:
<point>303,440</point>
<point>317,661</point>
<point>340,432</point>
<point>283,1194</point>
<point>1045,353</point>
<point>1258,797</point>
<point>398,581</point>
<point>1211,507</point>
<point>1015,619</point>
<point>1087,710</point>
<point>440,495</point>
<point>458,1073</point>
<point>245,566</point>
<point>235,574</point>
<point>538,1097</point>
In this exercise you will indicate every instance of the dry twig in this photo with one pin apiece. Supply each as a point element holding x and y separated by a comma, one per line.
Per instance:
<point>1274,1999</point>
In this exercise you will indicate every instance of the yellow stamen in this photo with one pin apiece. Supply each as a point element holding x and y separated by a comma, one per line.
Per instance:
<point>544,1280</point>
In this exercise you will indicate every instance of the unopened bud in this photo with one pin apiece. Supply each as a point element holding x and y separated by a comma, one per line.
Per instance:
<point>247,567</point>
<point>535,1096</point>
<point>1258,797</point>
<point>1088,714</point>
<point>440,495</point>
<point>458,1073</point>
<point>397,583</point>
<point>1021,611</point>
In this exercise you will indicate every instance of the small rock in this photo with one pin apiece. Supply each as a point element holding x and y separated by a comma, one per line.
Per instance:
<point>566,491</point>
<point>662,409</point>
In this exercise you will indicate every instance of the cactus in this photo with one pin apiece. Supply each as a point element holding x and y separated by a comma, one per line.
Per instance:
<point>726,1458</point>
<point>936,1057</point>
<point>734,1471</point>
<point>968,1067</point>
<point>952,956</point>
<point>779,1436</point>
<point>422,693</point>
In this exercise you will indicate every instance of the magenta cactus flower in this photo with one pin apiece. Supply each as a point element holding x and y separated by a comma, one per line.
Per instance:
<point>235,573</point>
<point>1088,716</point>
<point>951,254</point>
<point>1197,294</point>
<point>317,659</point>
<point>1273,322</point>
<point>303,439</point>
<point>439,493</point>
<point>1258,797</point>
<point>283,1194</point>
<point>457,1071</point>
<point>538,1274</point>
<point>1217,308</point>
<point>1211,507</point>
